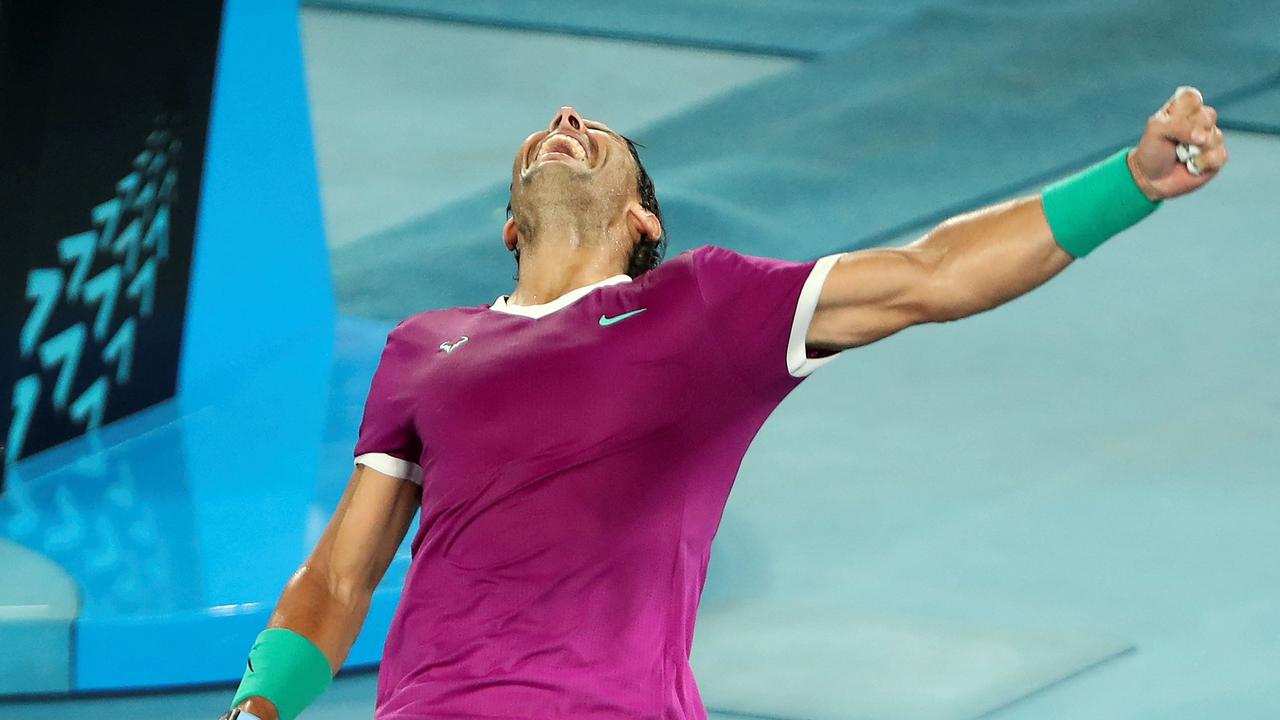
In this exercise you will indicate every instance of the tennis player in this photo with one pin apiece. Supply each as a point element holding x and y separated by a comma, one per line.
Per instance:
<point>571,445</point>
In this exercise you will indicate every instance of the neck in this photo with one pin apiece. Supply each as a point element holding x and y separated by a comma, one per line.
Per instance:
<point>553,263</point>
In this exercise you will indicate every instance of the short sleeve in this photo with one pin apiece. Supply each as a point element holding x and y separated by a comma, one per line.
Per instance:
<point>388,441</point>
<point>759,310</point>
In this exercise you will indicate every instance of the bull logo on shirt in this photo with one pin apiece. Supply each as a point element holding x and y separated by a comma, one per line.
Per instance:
<point>451,346</point>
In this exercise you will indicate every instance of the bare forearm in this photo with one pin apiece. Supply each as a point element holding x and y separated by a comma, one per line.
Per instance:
<point>989,257</point>
<point>328,618</point>
<point>979,260</point>
<point>327,599</point>
<point>309,607</point>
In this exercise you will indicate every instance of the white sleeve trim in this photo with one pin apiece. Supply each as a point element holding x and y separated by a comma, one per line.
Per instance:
<point>798,362</point>
<point>393,466</point>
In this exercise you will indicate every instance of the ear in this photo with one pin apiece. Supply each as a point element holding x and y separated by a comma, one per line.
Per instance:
<point>643,222</point>
<point>509,235</point>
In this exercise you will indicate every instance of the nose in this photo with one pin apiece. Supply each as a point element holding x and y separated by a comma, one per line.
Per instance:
<point>566,118</point>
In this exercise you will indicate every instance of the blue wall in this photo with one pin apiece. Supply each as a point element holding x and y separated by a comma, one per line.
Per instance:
<point>260,275</point>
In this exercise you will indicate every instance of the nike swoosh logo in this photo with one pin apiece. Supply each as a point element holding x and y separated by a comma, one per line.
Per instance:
<point>606,321</point>
<point>449,346</point>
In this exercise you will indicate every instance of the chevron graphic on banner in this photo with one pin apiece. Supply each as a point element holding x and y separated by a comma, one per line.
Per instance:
<point>63,351</point>
<point>143,288</point>
<point>80,248</point>
<point>43,286</point>
<point>103,290</point>
<point>89,408</point>
<point>127,188</point>
<point>170,180</point>
<point>106,217</point>
<point>120,350</point>
<point>157,238</point>
<point>129,243</point>
<point>25,393</point>
<point>78,310</point>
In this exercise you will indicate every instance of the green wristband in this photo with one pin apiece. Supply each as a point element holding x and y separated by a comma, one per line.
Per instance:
<point>287,669</point>
<point>1087,208</point>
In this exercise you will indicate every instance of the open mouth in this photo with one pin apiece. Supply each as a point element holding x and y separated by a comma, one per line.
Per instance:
<point>561,147</point>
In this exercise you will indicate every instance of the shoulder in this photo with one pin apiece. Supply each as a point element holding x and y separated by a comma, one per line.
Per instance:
<point>423,329</point>
<point>699,268</point>
<point>704,253</point>
<point>714,259</point>
<point>690,262</point>
<point>679,271</point>
<point>713,265</point>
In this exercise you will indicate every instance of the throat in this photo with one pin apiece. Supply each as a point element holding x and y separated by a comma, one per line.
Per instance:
<point>553,266</point>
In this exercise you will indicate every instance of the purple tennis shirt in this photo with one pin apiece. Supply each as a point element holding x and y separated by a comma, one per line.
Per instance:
<point>575,459</point>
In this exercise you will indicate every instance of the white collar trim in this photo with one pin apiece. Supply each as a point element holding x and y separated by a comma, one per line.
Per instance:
<point>543,309</point>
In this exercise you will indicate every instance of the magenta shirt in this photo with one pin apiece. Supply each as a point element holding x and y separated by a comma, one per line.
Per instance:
<point>575,459</point>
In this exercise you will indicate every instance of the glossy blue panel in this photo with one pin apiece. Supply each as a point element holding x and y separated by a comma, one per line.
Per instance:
<point>181,524</point>
<point>181,528</point>
<point>260,274</point>
<point>39,603</point>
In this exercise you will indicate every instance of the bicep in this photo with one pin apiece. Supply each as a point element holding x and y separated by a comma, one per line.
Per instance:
<point>366,529</point>
<point>872,294</point>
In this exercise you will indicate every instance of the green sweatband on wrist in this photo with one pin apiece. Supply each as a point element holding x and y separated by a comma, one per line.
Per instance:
<point>287,669</point>
<point>1087,208</point>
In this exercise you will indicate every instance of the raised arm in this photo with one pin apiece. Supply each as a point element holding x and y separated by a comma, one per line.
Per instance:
<point>979,260</point>
<point>327,599</point>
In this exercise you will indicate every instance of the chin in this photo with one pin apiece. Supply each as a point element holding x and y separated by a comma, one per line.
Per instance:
<point>555,177</point>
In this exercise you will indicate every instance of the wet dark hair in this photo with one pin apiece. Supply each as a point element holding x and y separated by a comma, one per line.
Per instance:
<point>647,253</point>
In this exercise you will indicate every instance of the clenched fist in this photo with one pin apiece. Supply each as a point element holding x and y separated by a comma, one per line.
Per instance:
<point>1184,119</point>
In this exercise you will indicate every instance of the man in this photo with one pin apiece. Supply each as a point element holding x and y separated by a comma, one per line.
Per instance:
<point>572,444</point>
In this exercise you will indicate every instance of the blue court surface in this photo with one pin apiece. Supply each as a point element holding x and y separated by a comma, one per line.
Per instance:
<point>1063,508</point>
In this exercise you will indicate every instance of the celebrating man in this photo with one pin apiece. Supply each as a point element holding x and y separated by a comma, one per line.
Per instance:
<point>571,445</point>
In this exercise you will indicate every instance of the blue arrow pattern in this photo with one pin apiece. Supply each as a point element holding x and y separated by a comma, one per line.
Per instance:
<point>127,188</point>
<point>157,238</point>
<point>63,351</point>
<point>43,288</point>
<point>89,408</point>
<point>106,217</point>
<point>120,350</point>
<point>143,288</point>
<point>129,235</point>
<point>128,243</point>
<point>78,248</point>
<point>25,393</point>
<point>103,290</point>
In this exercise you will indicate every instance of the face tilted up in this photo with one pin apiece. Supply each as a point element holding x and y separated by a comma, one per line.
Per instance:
<point>579,174</point>
<point>576,161</point>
